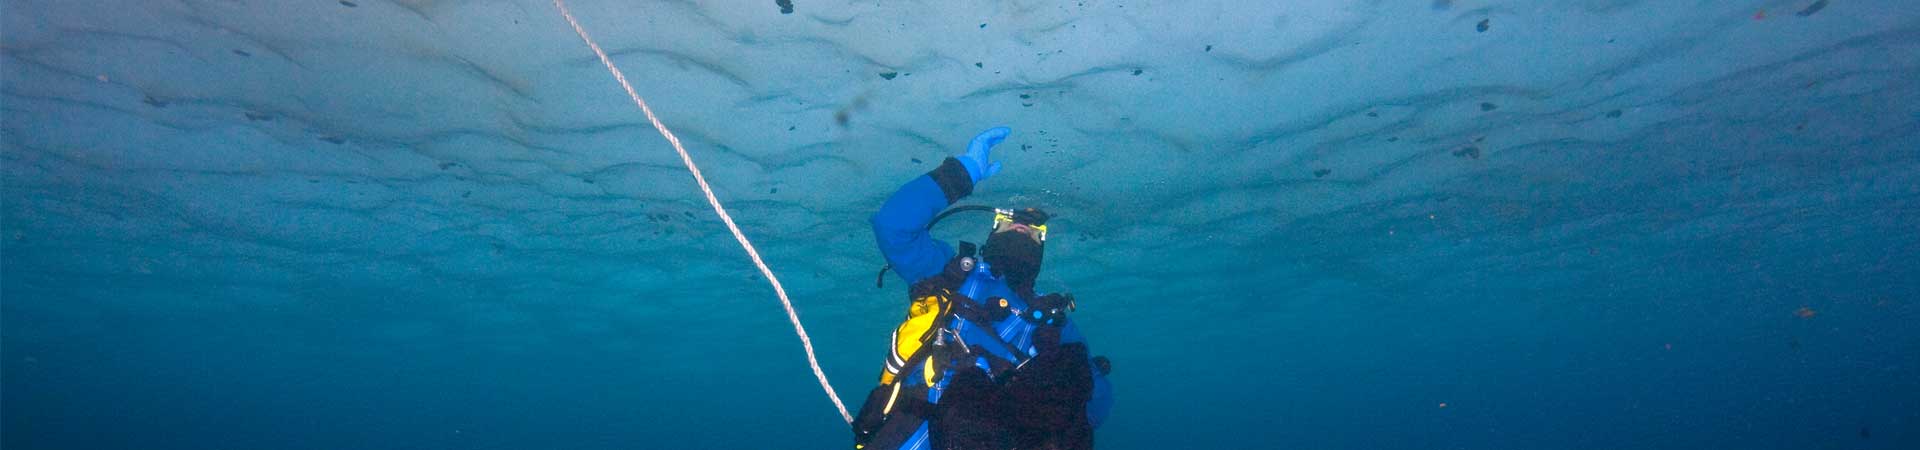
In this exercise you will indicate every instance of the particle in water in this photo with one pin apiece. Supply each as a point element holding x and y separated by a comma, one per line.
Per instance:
<point>790,128</point>
<point>1136,72</point>
<point>1442,5</point>
<point>786,6</point>
<point>154,102</point>
<point>983,24</point>
<point>1393,139</point>
<point>915,160</point>
<point>689,214</point>
<point>1025,96</point>
<point>466,194</point>
<point>258,116</point>
<point>773,191</point>
<point>349,4</point>
<point>889,75</point>
<point>1209,48</point>
<point>1813,8</point>
<point>1321,173</point>
<point>1468,152</point>
<point>1488,107</point>
<point>1865,431</point>
<point>1805,312</point>
<point>331,139</point>
<point>241,52</point>
<point>1372,114</point>
<point>979,65</point>
<point>1614,114</point>
<point>1484,24</point>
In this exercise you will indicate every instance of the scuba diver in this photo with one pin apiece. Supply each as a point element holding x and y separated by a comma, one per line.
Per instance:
<point>980,361</point>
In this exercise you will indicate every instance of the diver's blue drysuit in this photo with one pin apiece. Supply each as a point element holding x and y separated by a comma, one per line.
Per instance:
<point>900,228</point>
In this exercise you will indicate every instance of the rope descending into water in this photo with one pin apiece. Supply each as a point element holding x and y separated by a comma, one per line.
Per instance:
<point>717,209</point>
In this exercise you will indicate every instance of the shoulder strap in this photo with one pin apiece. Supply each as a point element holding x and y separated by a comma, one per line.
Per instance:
<point>979,315</point>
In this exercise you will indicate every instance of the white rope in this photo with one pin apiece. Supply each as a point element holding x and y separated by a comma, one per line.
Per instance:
<point>717,209</point>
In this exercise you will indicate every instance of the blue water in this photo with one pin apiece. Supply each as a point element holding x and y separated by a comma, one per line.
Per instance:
<point>1453,224</point>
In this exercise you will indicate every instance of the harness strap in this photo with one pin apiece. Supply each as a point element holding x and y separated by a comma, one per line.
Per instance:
<point>967,309</point>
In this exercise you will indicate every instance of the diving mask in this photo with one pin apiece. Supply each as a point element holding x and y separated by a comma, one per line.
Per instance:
<point>1033,218</point>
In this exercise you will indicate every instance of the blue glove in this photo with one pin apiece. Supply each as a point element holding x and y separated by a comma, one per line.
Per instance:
<point>978,166</point>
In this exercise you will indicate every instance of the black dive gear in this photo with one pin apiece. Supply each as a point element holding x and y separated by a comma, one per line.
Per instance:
<point>1049,310</point>
<point>1014,256</point>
